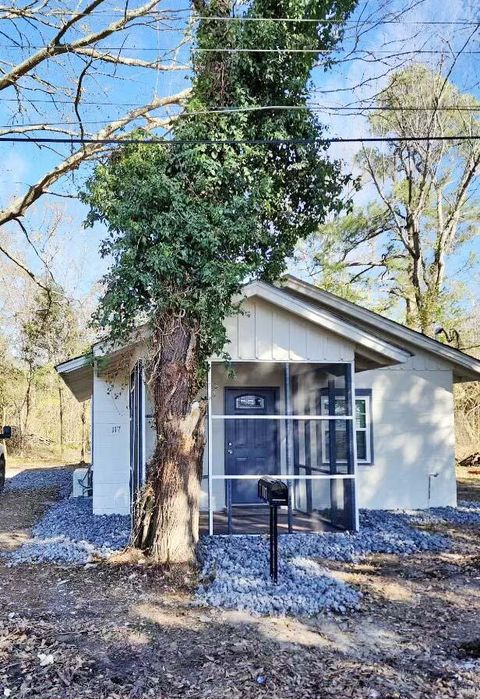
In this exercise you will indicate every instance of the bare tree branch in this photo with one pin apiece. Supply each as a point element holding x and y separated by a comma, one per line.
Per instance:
<point>21,204</point>
<point>65,64</point>
<point>18,263</point>
<point>34,248</point>
<point>133,62</point>
<point>55,48</point>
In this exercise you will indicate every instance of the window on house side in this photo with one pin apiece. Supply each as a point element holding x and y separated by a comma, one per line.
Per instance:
<point>363,430</point>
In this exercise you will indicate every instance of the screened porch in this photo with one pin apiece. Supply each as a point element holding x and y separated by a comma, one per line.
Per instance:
<point>289,420</point>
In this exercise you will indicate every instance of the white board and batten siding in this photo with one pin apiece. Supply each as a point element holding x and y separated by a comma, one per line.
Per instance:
<point>111,445</point>
<point>264,332</point>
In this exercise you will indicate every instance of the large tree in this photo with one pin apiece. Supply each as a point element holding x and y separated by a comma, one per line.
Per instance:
<point>189,223</point>
<point>425,206</point>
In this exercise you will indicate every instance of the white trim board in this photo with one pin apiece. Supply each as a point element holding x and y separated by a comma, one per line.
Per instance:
<point>465,367</point>
<point>73,364</point>
<point>77,374</point>
<point>285,417</point>
<point>285,477</point>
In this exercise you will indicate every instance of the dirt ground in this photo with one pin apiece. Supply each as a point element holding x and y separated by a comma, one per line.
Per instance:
<point>125,631</point>
<point>468,484</point>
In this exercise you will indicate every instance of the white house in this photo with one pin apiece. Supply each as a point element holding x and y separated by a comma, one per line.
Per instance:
<point>351,409</point>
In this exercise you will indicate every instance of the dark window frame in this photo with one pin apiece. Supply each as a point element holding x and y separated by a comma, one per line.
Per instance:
<point>361,393</point>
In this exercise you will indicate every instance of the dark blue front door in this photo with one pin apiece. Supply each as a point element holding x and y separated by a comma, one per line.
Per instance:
<point>251,446</point>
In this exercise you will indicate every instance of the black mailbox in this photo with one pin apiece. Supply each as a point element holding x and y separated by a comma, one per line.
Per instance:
<point>273,492</point>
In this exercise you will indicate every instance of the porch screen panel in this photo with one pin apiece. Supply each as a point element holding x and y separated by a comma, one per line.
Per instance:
<point>289,421</point>
<point>245,446</point>
<point>254,447</point>
<point>311,381</point>
<point>322,447</point>
<point>318,505</point>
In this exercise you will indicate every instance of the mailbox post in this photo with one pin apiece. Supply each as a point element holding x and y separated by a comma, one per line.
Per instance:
<point>275,494</point>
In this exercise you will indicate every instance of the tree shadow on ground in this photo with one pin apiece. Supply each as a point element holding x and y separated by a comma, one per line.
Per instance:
<point>125,631</point>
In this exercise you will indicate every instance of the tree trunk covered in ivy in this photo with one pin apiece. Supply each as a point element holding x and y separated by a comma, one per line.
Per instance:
<point>227,201</point>
<point>167,513</point>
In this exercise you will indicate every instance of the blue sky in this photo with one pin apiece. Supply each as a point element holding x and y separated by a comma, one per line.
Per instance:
<point>107,97</point>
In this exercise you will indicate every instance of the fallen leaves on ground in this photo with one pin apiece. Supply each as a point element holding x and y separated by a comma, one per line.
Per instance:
<point>132,632</point>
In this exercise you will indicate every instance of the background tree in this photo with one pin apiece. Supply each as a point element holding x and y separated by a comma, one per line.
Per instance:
<point>49,334</point>
<point>11,386</point>
<point>56,243</point>
<point>425,207</point>
<point>29,384</point>
<point>189,224</point>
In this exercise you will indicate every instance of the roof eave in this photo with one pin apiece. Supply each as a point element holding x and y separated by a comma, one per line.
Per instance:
<point>464,367</point>
<point>77,375</point>
<point>73,364</point>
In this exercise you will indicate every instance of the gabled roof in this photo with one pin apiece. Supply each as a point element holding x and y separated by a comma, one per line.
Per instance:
<point>464,367</point>
<point>368,345</point>
<point>378,341</point>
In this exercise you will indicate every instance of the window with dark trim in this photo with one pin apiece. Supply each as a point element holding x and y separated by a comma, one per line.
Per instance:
<point>363,427</point>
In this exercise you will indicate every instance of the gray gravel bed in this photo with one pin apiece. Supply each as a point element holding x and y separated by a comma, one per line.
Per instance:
<point>235,576</point>
<point>235,569</point>
<point>467,513</point>
<point>70,533</point>
<point>35,479</point>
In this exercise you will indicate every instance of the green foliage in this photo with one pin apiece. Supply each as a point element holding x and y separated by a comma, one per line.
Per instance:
<point>189,224</point>
<point>11,378</point>
<point>42,437</point>
<point>425,210</point>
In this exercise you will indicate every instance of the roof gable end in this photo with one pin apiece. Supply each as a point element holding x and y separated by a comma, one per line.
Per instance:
<point>465,367</point>
<point>302,308</point>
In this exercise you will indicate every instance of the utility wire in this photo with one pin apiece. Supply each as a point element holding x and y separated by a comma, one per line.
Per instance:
<point>200,49</point>
<point>233,141</point>
<point>349,111</point>
<point>352,22</point>
<point>172,13</point>
<point>313,106</point>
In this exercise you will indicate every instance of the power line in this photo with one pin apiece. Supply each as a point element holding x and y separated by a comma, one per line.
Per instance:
<point>69,48</point>
<point>172,14</point>
<point>324,108</point>
<point>225,110</point>
<point>244,141</point>
<point>348,22</point>
<point>350,111</point>
<point>200,49</point>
